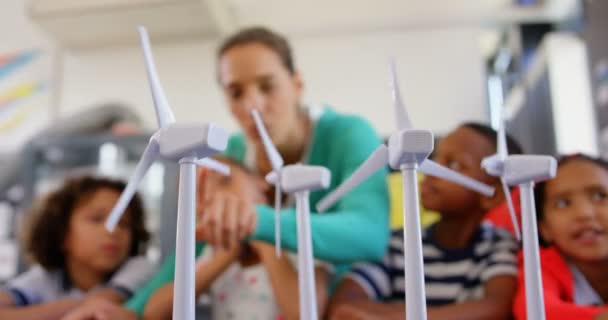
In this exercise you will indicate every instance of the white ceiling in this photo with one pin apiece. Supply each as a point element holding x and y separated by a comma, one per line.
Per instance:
<point>323,16</point>
<point>95,23</point>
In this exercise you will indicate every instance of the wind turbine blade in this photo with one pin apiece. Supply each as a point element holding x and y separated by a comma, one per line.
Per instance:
<point>164,115</point>
<point>376,160</point>
<point>214,165</point>
<point>507,192</point>
<point>434,169</point>
<point>273,154</point>
<point>150,155</point>
<point>403,119</point>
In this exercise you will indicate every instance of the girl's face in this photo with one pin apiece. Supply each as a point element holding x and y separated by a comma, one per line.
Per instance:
<point>575,210</point>
<point>253,76</point>
<point>88,243</point>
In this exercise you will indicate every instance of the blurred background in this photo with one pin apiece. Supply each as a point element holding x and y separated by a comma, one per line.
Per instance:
<point>74,96</point>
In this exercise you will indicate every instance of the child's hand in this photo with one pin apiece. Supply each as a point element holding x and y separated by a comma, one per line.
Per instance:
<point>224,256</point>
<point>262,249</point>
<point>99,309</point>
<point>230,254</point>
<point>226,206</point>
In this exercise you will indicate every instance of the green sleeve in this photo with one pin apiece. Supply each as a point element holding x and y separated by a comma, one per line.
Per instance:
<point>236,148</point>
<point>163,276</point>
<point>356,227</point>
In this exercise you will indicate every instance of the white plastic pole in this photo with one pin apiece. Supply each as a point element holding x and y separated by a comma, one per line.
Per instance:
<point>183,291</point>
<point>306,272</point>
<point>311,292</point>
<point>302,297</point>
<point>415,294</point>
<point>277,219</point>
<point>534,293</point>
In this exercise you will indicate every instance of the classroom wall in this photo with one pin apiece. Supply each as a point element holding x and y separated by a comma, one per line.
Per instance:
<point>17,32</point>
<point>441,70</point>
<point>442,73</point>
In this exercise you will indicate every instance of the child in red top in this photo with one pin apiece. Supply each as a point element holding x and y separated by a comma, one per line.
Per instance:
<point>573,224</point>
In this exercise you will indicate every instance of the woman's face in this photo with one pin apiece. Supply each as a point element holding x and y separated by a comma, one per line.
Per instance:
<point>88,243</point>
<point>575,211</point>
<point>253,76</point>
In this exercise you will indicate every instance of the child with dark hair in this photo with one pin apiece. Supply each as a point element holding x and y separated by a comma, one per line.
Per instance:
<point>499,216</point>
<point>572,212</point>
<point>470,266</point>
<point>76,257</point>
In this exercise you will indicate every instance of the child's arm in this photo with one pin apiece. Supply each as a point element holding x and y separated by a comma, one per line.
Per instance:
<point>50,311</point>
<point>495,304</point>
<point>100,309</point>
<point>160,305</point>
<point>351,300</point>
<point>284,280</point>
<point>21,298</point>
<point>130,277</point>
<point>5,300</point>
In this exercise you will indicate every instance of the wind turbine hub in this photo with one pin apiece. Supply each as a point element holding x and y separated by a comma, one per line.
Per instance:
<point>519,169</point>
<point>409,146</point>
<point>180,140</point>
<point>297,177</point>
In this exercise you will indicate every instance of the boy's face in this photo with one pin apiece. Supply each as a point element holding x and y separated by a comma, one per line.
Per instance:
<point>462,151</point>
<point>575,211</point>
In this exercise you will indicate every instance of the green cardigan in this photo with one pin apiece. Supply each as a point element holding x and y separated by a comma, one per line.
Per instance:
<point>354,229</point>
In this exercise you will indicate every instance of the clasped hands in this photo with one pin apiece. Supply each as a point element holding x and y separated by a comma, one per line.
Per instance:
<point>226,206</point>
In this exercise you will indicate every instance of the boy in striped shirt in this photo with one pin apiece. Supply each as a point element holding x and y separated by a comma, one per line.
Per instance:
<point>470,266</point>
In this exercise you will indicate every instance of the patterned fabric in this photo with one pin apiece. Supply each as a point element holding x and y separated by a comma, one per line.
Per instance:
<point>451,276</point>
<point>246,292</point>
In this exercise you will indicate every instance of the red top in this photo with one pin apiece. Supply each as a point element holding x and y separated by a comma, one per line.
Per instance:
<point>500,217</point>
<point>558,287</point>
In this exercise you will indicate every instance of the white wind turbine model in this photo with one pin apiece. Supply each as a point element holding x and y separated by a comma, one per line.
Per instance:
<point>524,171</point>
<point>407,151</point>
<point>494,166</point>
<point>300,180</point>
<point>189,145</point>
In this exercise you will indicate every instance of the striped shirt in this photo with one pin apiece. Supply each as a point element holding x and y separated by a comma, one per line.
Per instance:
<point>451,276</point>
